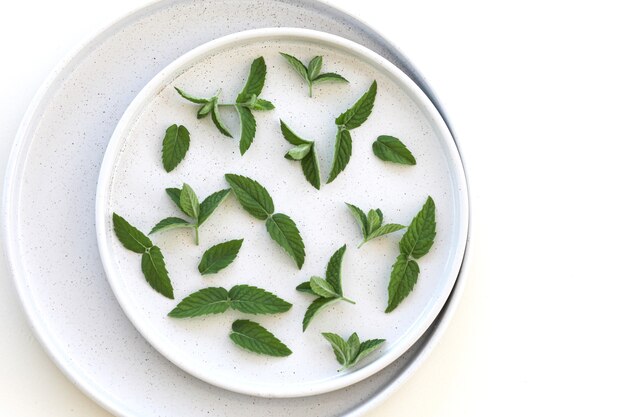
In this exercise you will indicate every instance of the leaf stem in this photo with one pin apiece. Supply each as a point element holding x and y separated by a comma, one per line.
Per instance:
<point>197,235</point>
<point>348,300</point>
<point>310,89</point>
<point>361,244</point>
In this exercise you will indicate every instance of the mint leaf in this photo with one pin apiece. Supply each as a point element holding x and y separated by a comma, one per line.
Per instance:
<point>384,230</point>
<point>256,80</point>
<point>206,109</point>
<point>191,98</point>
<point>201,303</point>
<point>174,195</point>
<point>219,123</point>
<point>333,270</point>
<point>290,136</point>
<point>373,220</point>
<point>322,288</point>
<point>189,202</point>
<point>253,300</point>
<point>255,338</point>
<point>354,344</point>
<point>343,152</point>
<point>285,232</point>
<point>420,235</point>
<point>252,196</point>
<point>130,237</point>
<point>256,103</point>
<point>315,66</point>
<point>299,152</point>
<point>305,287</point>
<point>219,256</point>
<point>248,128</point>
<point>370,225</point>
<point>311,74</point>
<point>155,272</point>
<point>340,348</point>
<point>170,223</point>
<point>297,65</point>
<point>366,348</point>
<point>330,76</point>
<point>208,206</point>
<point>350,352</point>
<point>315,308</point>
<point>392,149</point>
<point>175,146</point>
<point>305,151</point>
<point>356,115</point>
<point>403,278</point>
<point>310,168</point>
<point>360,217</point>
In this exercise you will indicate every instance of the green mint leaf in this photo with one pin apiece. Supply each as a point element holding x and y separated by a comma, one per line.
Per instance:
<point>285,232</point>
<point>299,152</point>
<point>130,237</point>
<point>310,168</point>
<point>340,348</point>
<point>261,105</point>
<point>420,235</point>
<point>155,272</point>
<point>384,230</point>
<point>174,195</point>
<point>305,287</point>
<point>366,348</point>
<point>175,146</point>
<point>253,300</point>
<point>201,303</point>
<point>322,288</point>
<point>170,223</point>
<point>354,344</point>
<point>343,152</point>
<point>219,123</point>
<point>206,109</point>
<point>247,127</point>
<point>403,278</point>
<point>290,136</point>
<point>333,270</point>
<point>315,66</point>
<point>297,65</point>
<point>380,214</point>
<point>373,220</point>
<point>219,256</point>
<point>208,206</point>
<point>356,115</point>
<point>255,338</point>
<point>330,77</point>
<point>392,149</point>
<point>256,80</point>
<point>189,202</point>
<point>193,99</point>
<point>315,308</point>
<point>360,217</point>
<point>252,196</point>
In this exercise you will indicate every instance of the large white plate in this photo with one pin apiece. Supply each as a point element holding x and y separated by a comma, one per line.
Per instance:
<point>133,181</point>
<point>48,213</point>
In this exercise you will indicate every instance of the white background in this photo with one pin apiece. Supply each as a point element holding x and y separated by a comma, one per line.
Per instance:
<point>537,93</point>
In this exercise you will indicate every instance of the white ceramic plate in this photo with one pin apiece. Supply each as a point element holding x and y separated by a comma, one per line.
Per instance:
<point>132,183</point>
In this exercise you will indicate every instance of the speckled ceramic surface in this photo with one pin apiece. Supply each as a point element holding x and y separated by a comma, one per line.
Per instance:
<point>133,181</point>
<point>52,174</point>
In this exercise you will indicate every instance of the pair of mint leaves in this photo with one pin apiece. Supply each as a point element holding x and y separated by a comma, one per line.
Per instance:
<point>312,74</point>
<point>371,225</point>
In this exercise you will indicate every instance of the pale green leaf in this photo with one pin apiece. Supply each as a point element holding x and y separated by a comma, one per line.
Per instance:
<point>322,288</point>
<point>170,223</point>
<point>189,202</point>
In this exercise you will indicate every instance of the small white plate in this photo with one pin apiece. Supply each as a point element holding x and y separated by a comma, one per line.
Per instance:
<point>132,183</point>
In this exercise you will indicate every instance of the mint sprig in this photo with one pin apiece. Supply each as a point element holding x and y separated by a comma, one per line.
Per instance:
<point>416,242</point>
<point>352,118</point>
<point>244,298</point>
<point>152,261</point>
<point>391,149</point>
<point>255,199</point>
<point>371,225</point>
<point>311,74</point>
<point>175,146</point>
<point>304,152</point>
<point>328,291</point>
<point>350,352</point>
<point>255,338</point>
<point>187,201</point>
<point>219,256</point>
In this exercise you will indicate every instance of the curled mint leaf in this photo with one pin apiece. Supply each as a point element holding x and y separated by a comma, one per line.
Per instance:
<point>171,223</point>
<point>304,151</point>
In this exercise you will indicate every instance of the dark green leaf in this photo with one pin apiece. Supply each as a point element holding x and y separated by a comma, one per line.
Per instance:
<point>403,278</point>
<point>392,149</point>
<point>340,348</point>
<point>175,146</point>
<point>170,223</point>
<point>196,100</point>
<point>349,352</point>
<point>343,152</point>
<point>356,115</point>
<point>297,65</point>
<point>253,197</point>
<point>310,168</point>
<point>174,194</point>
<point>322,288</point>
<point>253,300</point>
<point>290,136</point>
<point>299,152</point>
<point>208,206</point>
<point>330,76</point>
<point>420,235</point>
<point>131,238</point>
<point>256,80</point>
<point>255,338</point>
<point>285,232</point>
<point>305,287</point>
<point>219,256</point>
<point>219,123</point>
<point>360,217</point>
<point>189,202</point>
<point>247,127</point>
<point>315,66</point>
<point>315,308</point>
<point>201,303</point>
<point>366,348</point>
<point>333,270</point>
<point>153,267</point>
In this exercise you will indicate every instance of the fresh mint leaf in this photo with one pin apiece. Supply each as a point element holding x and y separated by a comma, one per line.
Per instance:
<point>354,344</point>
<point>297,65</point>
<point>373,220</point>
<point>349,353</point>
<point>191,98</point>
<point>299,152</point>
<point>206,109</point>
<point>360,217</point>
<point>333,270</point>
<point>285,232</point>
<point>253,300</point>
<point>392,149</point>
<point>208,206</point>
<point>305,152</point>
<point>247,127</point>
<point>219,256</point>
<point>340,348</point>
<point>311,74</point>
<point>310,168</point>
<point>175,146</point>
<point>189,202</point>
<point>290,136</point>
<point>366,348</point>
<point>252,196</point>
<point>155,272</point>
<point>356,115</point>
<point>174,195</point>
<point>343,152</point>
<point>420,235</point>
<point>259,104</point>
<point>330,77</point>
<point>256,80</point>
<point>171,223</point>
<point>403,278</point>
<point>322,288</point>
<point>201,303</point>
<point>384,230</point>
<point>255,338</point>
<point>370,224</point>
<point>305,287</point>
<point>315,307</point>
<point>219,123</point>
<point>315,66</point>
<point>130,237</point>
